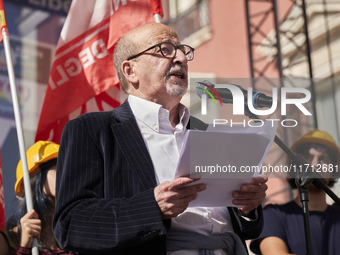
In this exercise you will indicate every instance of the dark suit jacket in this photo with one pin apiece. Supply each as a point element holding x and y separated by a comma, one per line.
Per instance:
<point>105,189</point>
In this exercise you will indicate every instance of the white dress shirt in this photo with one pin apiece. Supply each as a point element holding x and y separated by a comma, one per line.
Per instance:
<point>164,144</point>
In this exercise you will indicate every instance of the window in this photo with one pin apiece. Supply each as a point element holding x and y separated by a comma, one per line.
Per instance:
<point>190,19</point>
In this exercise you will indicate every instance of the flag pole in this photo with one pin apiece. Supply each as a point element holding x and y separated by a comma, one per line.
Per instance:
<point>157,10</point>
<point>157,18</point>
<point>17,116</point>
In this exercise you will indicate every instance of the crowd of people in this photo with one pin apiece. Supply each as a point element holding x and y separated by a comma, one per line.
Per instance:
<point>110,188</point>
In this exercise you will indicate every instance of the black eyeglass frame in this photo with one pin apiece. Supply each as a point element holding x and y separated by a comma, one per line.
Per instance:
<point>160,49</point>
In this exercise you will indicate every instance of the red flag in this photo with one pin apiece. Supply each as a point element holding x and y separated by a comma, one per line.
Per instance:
<point>2,201</point>
<point>83,77</point>
<point>2,18</point>
<point>156,6</point>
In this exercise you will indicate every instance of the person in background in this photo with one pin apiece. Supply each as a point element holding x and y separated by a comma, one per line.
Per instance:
<point>283,231</point>
<point>116,192</point>
<point>23,226</point>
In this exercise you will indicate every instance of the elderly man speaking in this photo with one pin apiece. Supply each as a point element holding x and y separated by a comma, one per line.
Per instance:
<point>116,192</point>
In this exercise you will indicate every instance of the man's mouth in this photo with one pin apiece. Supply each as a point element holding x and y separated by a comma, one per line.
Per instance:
<point>180,75</point>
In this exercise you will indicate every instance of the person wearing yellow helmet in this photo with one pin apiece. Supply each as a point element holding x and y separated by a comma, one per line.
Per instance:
<point>23,226</point>
<point>323,142</point>
<point>283,231</point>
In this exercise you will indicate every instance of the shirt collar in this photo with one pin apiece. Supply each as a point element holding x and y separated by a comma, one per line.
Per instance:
<point>149,112</point>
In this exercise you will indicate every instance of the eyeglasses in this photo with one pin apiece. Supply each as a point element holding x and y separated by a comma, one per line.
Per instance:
<point>169,50</point>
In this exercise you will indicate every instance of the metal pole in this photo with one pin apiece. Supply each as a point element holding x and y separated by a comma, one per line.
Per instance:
<point>18,122</point>
<point>278,42</point>
<point>157,18</point>
<point>250,44</point>
<point>308,49</point>
<point>279,56</point>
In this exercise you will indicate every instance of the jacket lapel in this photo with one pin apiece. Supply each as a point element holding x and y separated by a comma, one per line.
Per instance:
<point>131,142</point>
<point>196,124</point>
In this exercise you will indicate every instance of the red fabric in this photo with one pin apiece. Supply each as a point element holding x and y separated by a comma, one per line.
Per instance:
<point>1,5</point>
<point>156,6</point>
<point>83,68</point>
<point>2,18</point>
<point>2,201</point>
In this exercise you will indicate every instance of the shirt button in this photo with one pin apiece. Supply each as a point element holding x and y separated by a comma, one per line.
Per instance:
<point>162,114</point>
<point>155,127</point>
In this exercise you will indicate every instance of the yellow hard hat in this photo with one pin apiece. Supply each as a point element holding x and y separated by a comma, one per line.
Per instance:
<point>319,137</point>
<point>38,153</point>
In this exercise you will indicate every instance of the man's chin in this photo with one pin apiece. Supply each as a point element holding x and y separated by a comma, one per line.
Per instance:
<point>176,90</point>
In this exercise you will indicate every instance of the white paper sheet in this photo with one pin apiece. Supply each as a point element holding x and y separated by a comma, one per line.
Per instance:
<point>225,157</point>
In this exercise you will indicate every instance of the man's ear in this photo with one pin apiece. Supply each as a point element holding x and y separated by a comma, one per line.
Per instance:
<point>129,71</point>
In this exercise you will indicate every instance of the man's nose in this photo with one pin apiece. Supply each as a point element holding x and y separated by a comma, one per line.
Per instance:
<point>180,56</point>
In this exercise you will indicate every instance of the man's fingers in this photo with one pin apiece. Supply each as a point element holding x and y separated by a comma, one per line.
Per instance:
<point>182,193</point>
<point>248,195</point>
<point>173,209</point>
<point>247,205</point>
<point>253,188</point>
<point>174,197</point>
<point>189,191</point>
<point>259,180</point>
<point>181,182</point>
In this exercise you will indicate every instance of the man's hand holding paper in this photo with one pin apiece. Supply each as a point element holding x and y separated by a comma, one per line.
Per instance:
<point>251,195</point>
<point>228,159</point>
<point>174,196</point>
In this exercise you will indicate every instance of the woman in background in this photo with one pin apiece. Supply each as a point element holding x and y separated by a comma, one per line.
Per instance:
<point>23,226</point>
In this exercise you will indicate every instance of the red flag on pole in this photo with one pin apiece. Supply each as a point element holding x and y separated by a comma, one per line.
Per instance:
<point>156,7</point>
<point>2,17</point>
<point>2,201</point>
<point>83,77</point>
